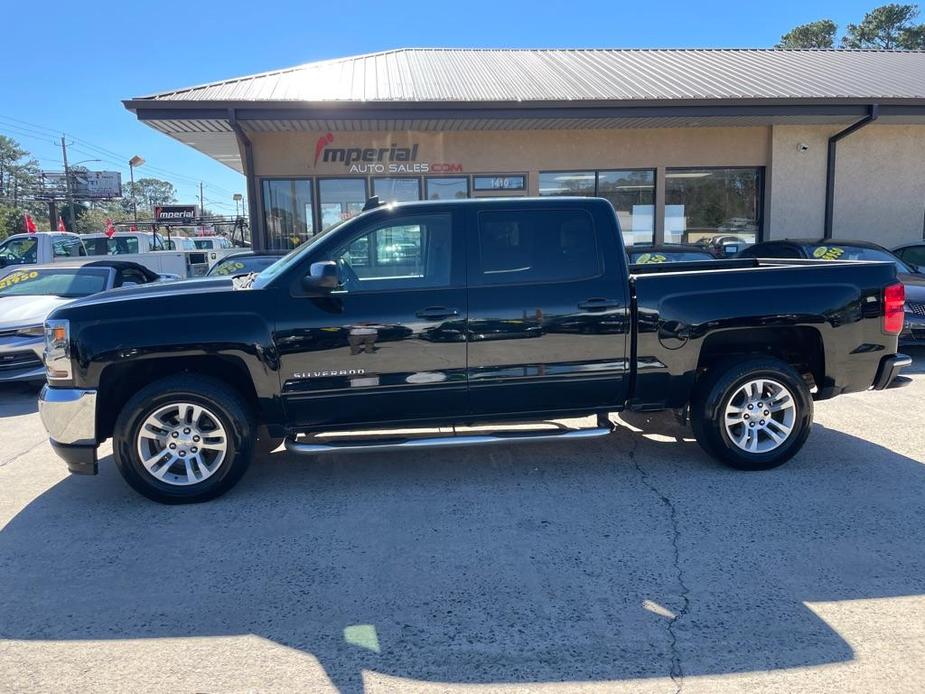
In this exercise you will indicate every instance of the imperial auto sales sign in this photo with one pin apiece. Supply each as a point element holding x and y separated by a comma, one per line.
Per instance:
<point>175,214</point>
<point>387,158</point>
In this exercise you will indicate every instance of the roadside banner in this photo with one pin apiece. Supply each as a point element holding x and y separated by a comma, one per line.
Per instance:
<point>110,229</point>
<point>61,226</point>
<point>30,224</point>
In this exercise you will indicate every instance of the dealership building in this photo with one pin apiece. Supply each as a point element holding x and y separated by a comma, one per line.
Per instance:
<point>687,144</point>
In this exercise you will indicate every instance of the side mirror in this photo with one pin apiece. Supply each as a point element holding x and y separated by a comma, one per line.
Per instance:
<point>130,284</point>
<point>322,276</point>
<point>730,249</point>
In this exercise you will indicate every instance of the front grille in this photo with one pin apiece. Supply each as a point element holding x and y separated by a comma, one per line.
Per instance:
<point>915,307</point>
<point>19,360</point>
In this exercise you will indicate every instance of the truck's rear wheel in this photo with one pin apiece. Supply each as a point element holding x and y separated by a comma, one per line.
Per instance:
<point>183,439</point>
<point>753,413</point>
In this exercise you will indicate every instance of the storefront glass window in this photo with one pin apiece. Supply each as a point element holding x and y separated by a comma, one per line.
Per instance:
<point>567,183</point>
<point>712,206</point>
<point>340,198</point>
<point>632,194</point>
<point>288,210</point>
<point>447,188</point>
<point>397,189</point>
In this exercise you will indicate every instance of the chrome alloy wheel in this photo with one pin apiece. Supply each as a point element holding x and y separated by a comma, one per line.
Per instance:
<point>760,416</point>
<point>182,444</point>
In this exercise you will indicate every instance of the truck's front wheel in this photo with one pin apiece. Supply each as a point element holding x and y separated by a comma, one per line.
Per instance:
<point>183,439</point>
<point>753,413</point>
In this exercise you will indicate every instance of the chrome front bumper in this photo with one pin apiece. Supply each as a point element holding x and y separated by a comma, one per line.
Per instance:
<point>69,415</point>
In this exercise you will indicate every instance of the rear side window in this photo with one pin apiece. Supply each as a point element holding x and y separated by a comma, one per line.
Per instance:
<point>517,247</point>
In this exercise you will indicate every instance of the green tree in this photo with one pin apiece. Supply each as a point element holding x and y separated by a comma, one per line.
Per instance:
<point>149,193</point>
<point>819,34</point>
<point>19,172</point>
<point>888,27</point>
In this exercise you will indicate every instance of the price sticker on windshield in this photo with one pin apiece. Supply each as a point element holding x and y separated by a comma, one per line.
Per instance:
<point>17,277</point>
<point>230,268</point>
<point>647,258</point>
<point>828,253</point>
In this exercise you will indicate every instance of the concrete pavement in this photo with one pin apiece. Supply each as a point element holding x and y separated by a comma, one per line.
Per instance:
<point>631,563</point>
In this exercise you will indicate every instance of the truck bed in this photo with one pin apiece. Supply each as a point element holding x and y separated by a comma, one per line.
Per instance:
<point>682,310</point>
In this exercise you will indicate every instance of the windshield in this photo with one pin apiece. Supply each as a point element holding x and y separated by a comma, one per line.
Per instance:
<point>242,265</point>
<point>17,251</point>
<point>295,255</point>
<point>64,282</point>
<point>666,256</point>
<point>844,252</point>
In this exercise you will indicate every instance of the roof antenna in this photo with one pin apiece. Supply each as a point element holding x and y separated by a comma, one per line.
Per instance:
<point>372,203</point>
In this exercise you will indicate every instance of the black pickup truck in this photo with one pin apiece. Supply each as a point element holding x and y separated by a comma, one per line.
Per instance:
<point>457,313</point>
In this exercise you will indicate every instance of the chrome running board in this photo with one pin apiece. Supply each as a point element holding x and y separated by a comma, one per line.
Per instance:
<point>293,446</point>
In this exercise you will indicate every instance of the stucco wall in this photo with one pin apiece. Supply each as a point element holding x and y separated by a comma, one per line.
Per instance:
<point>879,183</point>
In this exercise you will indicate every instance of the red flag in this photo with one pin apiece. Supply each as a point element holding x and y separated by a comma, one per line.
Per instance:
<point>110,229</point>
<point>61,226</point>
<point>30,224</point>
<point>134,227</point>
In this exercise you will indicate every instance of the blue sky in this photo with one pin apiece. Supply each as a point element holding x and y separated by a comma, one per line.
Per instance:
<point>68,65</point>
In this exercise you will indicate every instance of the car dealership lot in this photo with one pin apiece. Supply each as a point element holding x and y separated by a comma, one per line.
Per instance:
<point>601,565</point>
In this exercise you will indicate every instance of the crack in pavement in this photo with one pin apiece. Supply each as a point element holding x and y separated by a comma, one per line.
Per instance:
<point>677,672</point>
<point>19,455</point>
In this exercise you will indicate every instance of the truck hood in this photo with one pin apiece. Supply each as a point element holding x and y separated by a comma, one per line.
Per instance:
<point>21,311</point>
<point>159,289</point>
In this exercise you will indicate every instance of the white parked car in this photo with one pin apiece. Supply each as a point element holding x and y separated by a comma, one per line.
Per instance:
<point>28,294</point>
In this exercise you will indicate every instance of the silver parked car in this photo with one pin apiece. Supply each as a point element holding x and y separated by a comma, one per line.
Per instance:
<point>28,294</point>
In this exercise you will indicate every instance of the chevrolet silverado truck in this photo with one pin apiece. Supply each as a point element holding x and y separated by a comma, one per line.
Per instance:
<point>453,314</point>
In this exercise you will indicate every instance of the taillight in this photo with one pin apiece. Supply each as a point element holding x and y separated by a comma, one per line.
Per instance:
<point>894,300</point>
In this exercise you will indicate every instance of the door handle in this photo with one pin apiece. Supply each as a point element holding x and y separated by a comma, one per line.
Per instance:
<point>437,312</point>
<point>599,303</point>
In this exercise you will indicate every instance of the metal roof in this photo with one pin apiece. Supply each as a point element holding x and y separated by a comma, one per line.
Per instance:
<point>530,76</point>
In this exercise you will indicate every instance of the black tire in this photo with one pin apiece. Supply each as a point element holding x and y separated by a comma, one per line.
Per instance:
<point>226,404</point>
<point>716,389</point>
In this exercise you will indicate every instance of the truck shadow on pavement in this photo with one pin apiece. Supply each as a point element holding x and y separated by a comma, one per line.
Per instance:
<point>517,564</point>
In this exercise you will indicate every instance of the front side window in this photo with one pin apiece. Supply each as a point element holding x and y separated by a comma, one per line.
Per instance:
<point>340,199</point>
<point>518,247</point>
<point>288,212</point>
<point>408,253</point>
<point>19,250</point>
<point>397,189</point>
<point>702,205</point>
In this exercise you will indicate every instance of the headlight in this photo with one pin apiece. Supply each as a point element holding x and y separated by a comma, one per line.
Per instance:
<point>58,349</point>
<point>31,331</point>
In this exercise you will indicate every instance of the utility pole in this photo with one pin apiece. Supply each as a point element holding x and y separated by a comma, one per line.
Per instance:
<point>67,183</point>
<point>202,205</point>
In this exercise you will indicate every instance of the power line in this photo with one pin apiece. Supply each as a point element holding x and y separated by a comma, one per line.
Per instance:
<point>36,132</point>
